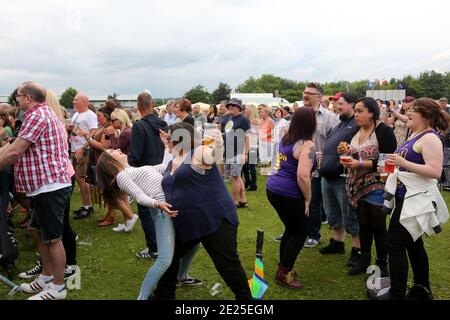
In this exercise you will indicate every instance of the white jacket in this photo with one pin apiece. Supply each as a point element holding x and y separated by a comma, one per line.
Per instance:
<point>424,209</point>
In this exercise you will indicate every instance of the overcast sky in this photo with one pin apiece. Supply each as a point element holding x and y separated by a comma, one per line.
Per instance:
<point>169,46</point>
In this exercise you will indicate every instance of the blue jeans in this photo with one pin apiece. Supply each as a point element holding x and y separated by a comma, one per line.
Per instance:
<point>335,201</point>
<point>315,209</point>
<point>148,226</point>
<point>165,235</point>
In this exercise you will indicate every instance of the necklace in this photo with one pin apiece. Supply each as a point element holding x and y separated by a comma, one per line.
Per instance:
<point>413,135</point>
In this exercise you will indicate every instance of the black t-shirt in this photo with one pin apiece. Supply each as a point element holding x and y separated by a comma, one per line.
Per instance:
<point>189,119</point>
<point>223,121</point>
<point>240,123</point>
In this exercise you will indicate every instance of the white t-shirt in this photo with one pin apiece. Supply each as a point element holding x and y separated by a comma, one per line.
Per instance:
<point>86,121</point>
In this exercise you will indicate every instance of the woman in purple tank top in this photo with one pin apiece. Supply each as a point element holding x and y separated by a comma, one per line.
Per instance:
<point>421,154</point>
<point>289,191</point>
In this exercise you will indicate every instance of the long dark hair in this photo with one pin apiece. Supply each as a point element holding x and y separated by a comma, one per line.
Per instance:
<point>371,105</point>
<point>214,107</point>
<point>107,170</point>
<point>302,127</point>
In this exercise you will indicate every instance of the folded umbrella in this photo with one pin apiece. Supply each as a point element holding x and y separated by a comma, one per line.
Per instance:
<point>258,285</point>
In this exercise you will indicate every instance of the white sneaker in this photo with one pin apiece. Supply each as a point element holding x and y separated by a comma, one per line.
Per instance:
<point>311,243</point>
<point>120,228</point>
<point>36,286</point>
<point>130,223</point>
<point>50,294</point>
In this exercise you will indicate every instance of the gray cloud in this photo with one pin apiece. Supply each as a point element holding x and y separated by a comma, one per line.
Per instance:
<point>168,47</point>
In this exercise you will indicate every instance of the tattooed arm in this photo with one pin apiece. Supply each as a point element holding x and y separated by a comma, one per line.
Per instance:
<point>306,156</point>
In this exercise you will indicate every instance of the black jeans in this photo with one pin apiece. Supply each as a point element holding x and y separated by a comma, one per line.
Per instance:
<point>221,246</point>
<point>372,226</point>
<point>292,213</point>
<point>249,172</point>
<point>68,238</point>
<point>400,242</point>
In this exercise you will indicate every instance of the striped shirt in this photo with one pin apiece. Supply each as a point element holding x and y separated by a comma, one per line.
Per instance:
<point>45,161</point>
<point>144,183</point>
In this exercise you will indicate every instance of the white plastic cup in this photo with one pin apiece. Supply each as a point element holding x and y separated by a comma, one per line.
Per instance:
<point>215,289</point>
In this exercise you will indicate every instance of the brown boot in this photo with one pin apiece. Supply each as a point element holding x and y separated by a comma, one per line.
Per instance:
<point>286,278</point>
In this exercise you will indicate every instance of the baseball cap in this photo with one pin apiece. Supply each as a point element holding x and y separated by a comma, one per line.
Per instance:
<point>336,96</point>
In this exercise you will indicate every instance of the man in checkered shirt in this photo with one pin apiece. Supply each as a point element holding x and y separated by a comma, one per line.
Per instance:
<point>40,154</point>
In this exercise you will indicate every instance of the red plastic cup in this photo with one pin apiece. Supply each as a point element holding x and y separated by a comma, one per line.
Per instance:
<point>389,168</point>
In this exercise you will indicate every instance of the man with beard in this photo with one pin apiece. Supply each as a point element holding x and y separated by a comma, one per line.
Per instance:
<point>341,216</point>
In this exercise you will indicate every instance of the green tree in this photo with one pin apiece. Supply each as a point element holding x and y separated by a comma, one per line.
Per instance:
<point>114,97</point>
<point>358,87</point>
<point>198,94</point>
<point>410,84</point>
<point>447,84</point>
<point>11,98</point>
<point>222,92</point>
<point>291,95</point>
<point>67,97</point>
<point>249,86</point>
<point>431,84</point>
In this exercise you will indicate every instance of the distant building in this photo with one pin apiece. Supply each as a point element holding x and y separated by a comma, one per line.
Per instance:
<point>4,99</point>
<point>397,95</point>
<point>126,101</point>
<point>259,98</point>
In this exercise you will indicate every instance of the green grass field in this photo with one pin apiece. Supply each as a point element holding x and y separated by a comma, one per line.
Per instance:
<point>110,269</point>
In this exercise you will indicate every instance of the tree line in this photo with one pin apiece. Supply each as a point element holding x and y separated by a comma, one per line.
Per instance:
<point>429,83</point>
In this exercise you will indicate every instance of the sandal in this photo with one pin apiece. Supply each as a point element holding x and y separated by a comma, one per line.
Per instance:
<point>106,223</point>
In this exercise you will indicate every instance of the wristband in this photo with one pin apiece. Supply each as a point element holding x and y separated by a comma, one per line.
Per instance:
<point>359,163</point>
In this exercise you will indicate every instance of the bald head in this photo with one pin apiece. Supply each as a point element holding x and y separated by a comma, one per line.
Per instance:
<point>81,103</point>
<point>34,90</point>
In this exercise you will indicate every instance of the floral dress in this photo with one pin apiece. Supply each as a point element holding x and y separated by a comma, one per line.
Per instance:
<point>361,182</point>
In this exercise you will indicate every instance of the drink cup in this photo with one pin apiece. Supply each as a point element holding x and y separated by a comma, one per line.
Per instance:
<point>215,289</point>
<point>69,124</point>
<point>383,176</point>
<point>389,168</point>
<point>346,159</point>
<point>207,140</point>
<point>208,137</point>
<point>319,158</point>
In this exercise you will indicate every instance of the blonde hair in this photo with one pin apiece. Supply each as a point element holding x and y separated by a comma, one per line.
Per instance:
<point>123,117</point>
<point>52,101</point>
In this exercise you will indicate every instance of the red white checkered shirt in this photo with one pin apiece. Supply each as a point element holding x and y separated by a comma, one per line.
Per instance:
<point>45,162</point>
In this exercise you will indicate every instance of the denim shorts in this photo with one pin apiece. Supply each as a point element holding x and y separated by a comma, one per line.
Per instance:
<point>233,167</point>
<point>375,197</point>
<point>47,213</point>
<point>336,205</point>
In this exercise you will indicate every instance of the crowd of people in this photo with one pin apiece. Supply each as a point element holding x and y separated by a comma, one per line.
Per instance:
<point>326,161</point>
